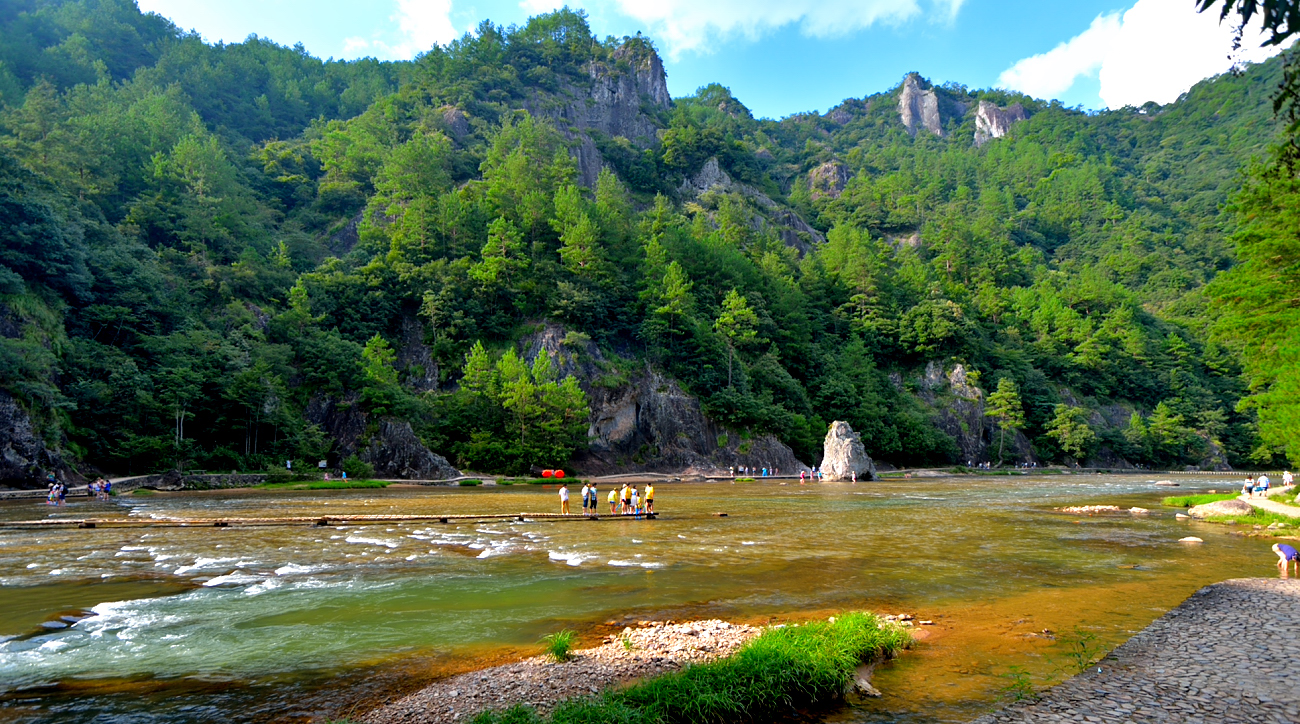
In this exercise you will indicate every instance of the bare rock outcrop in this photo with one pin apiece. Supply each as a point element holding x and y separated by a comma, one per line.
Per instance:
<point>393,449</point>
<point>794,231</point>
<point>25,456</point>
<point>828,180</point>
<point>1221,507</point>
<point>843,456</point>
<point>643,421</point>
<point>959,410</point>
<point>919,107</point>
<point>612,100</point>
<point>993,122</point>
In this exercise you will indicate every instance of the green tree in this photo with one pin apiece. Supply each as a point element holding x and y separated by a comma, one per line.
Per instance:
<point>1069,427</point>
<point>1006,409</point>
<point>737,324</point>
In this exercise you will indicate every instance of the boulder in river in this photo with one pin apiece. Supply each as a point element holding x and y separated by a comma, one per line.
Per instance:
<point>843,455</point>
<point>1221,507</point>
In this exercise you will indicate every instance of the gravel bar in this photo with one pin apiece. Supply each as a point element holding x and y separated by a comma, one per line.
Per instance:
<point>652,648</point>
<point>1227,654</point>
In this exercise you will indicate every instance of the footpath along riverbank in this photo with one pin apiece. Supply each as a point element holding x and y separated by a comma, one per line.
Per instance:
<point>1225,655</point>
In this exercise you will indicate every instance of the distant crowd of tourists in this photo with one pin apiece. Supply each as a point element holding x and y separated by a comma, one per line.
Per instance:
<point>625,501</point>
<point>759,472</point>
<point>57,493</point>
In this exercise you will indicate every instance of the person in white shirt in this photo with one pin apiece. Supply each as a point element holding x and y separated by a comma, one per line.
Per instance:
<point>586,494</point>
<point>564,499</point>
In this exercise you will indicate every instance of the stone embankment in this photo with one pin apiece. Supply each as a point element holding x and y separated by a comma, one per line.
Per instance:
<point>1225,655</point>
<point>650,649</point>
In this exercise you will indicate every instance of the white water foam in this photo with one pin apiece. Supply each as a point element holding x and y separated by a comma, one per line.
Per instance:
<point>238,578</point>
<point>373,541</point>
<point>573,559</point>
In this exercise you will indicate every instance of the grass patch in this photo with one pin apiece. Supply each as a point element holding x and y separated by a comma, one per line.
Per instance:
<point>559,645</point>
<point>1187,501</point>
<point>783,669</point>
<point>1260,517</point>
<point>470,483</point>
<point>143,491</point>
<point>744,480</point>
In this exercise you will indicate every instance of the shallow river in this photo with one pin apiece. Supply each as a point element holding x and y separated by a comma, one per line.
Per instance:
<point>295,623</point>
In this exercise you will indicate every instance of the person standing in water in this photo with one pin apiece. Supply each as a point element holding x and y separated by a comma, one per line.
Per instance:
<point>1286,555</point>
<point>564,499</point>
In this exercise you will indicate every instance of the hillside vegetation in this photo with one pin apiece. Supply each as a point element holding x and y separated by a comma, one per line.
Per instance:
<point>205,245</point>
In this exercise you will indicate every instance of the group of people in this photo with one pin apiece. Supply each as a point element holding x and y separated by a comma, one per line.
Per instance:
<point>1255,487</point>
<point>756,472</point>
<point>816,474</point>
<point>58,490</point>
<point>101,488</point>
<point>625,501</point>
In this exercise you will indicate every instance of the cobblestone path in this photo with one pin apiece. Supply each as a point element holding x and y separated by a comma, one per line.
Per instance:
<point>1229,653</point>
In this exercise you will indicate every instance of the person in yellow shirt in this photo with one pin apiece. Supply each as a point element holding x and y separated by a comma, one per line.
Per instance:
<point>613,499</point>
<point>649,498</point>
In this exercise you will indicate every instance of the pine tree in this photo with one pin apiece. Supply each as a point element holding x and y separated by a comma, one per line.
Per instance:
<point>737,324</point>
<point>1005,407</point>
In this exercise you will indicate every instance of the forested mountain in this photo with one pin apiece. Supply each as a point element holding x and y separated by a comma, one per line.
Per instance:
<point>518,250</point>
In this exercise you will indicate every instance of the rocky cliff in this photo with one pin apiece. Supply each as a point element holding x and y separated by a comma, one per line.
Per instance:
<point>792,229</point>
<point>642,421</point>
<point>388,444</point>
<point>25,455</point>
<point>921,106</point>
<point>614,101</point>
<point>993,122</point>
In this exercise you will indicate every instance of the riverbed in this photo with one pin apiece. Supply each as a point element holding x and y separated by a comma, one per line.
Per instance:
<point>304,623</point>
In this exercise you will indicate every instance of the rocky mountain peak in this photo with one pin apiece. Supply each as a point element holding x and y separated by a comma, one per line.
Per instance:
<point>918,106</point>
<point>994,122</point>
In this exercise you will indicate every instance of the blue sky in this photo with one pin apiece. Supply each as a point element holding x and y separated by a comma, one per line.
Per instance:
<point>788,56</point>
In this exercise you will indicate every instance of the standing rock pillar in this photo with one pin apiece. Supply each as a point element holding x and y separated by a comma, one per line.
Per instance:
<point>843,455</point>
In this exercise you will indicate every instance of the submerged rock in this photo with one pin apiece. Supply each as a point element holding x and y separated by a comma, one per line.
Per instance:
<point>1221,507</point>
<point>843,455</point>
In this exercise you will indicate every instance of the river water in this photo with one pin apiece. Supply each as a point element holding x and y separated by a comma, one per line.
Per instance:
<point>303,623</point>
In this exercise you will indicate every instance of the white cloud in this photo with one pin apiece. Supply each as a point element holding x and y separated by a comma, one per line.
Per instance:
<point>1052,73</point>
<point>1153,52</point>
<point>422,24</point>
<point>691,25</point>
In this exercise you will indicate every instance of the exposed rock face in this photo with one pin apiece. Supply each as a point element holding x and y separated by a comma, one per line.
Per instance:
<point>1221,507</point>
<point>25,458</point>
<point>611,103</point>
<point>844,457</point>
<point>414,358</point>
<point>456,122</point>
<point>919,107</point>
<point>828,180</point>
<point>645,421</point>
<point>396,452</point>
<point>794,231</point>
<point>959,412</point>
<point>994,122</point>
<point>393,450</point>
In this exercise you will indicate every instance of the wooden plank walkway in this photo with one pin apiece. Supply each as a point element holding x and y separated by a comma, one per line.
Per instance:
<point>317,520</point>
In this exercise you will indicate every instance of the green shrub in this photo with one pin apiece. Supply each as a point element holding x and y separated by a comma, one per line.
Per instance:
<point>355,467</point>
<point>470,483</point>
<point>142,491</point>
<point>559,645</point>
